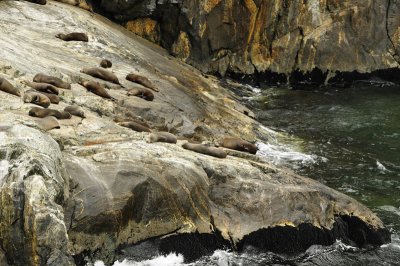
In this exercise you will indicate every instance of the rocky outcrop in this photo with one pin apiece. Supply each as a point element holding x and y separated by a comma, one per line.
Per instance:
<point>273,40</point>
<point>92,189</point>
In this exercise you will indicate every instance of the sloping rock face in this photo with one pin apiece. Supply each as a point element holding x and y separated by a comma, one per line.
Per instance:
<point>92,188</point>
<point>321,40</point>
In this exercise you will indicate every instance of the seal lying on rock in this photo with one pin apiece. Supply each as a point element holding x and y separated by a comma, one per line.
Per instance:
<point>40,2</point>
<point>132,118</point>
<point>73,36</point>
<point>141,93</point>
<point>203,149</point>
<point>37,98</point>
<point>162,137</point>
<point>134,126</point>
<point>101,74</point>
<point>105,63</point>
<point>40,112</point>
<point>42,87</point>
<point>75,110</point>
<point>95,88</point>
<point>239,145</point>
<point>48,123</point>
<point>142,81</point>
<point>42,78</point>
<point>9,88</point>
<point>53,98</point>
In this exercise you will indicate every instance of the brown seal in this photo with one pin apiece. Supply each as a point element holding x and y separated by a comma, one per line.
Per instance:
<point>105,63</point>
<point>239,145</point>
<point>53,98</point>
<point>101,74</point>
<point>9,88</point>
<point>134,126</point>
<point>41,113</point>
<point>42,78</point>
<point>162,137</point>
<point>141,93</point>
<point>75,110</point>
<point>73,36</point>
<point>42,87</point>
<point>142,81</point>
<point>37,98</point>
<point>48,123</point>
<point>207,150</point>
<point>40,2</point>
<point>95,88</point>
<point>135,119</point>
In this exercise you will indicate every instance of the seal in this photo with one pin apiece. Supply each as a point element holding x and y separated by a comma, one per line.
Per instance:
<point>36,98</point>
<point>73,36</point>
<point>41,113</point>
<point>48,123</point>
<point>162,137</point>
<point>142,81</point>
<point>141,93</point>
<point>134,126</point>
<point>105,63</point>
<point>101,74</point>
<point>135,119</point>
<point>40,2</point>
<point>42,78</point>
<point>9,88</point>
<point>207,150</point>
<point>96,88</point>
<point>53,98</point>
<point>75,110</point>
<point>42,87</point>
<point>239,145</point>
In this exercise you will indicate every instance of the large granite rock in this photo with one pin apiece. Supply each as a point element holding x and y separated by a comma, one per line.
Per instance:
<point>92,189</point>
<point>301,40</point>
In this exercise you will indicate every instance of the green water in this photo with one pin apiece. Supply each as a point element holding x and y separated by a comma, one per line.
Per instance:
<point>356,129</point>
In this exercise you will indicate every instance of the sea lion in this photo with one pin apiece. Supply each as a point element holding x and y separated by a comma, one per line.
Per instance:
<point>142,81</point>
<point>40,2</point>
<point>42,78</point>
<point>41,113</point>
<point>162,137</point>
<point>37,98</point>
<point>135,119</point>
<point>53,98</point>
<point>105,63</point>
<point>134,126</point>
<point>203,149</point>
<point>239,145</point>
<point>101,74</point>
<point>95,88</point>
<point>73,36</point>
<point>141,93</point>
<point>48,123</point>
<point>42,87</point>
<point>75,110</point>
<point>9,88</point>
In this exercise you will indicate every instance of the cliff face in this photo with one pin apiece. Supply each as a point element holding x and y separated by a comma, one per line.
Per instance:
<point>267,37</point>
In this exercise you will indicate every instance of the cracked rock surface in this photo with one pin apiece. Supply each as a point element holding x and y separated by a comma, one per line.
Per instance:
<point>90,189</point>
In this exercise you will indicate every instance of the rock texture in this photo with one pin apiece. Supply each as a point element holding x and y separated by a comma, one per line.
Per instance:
<point>272,39</point>
<point>91,189</point>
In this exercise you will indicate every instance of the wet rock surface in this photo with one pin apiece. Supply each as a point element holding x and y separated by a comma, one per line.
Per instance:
<point>301,40</point>
<point>92,189</point>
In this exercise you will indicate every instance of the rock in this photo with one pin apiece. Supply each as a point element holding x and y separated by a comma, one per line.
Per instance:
<point>299,39</point>
<point>91,189</point>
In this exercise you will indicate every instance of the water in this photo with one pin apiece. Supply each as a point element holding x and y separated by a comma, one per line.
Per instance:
<point>348,139</point>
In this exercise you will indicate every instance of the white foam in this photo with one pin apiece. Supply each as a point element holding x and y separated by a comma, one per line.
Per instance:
<point>3,169</point>
<point>381,167</point>
<point>169,260</point>
<point>390,209</point>
<point>280,154</point>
